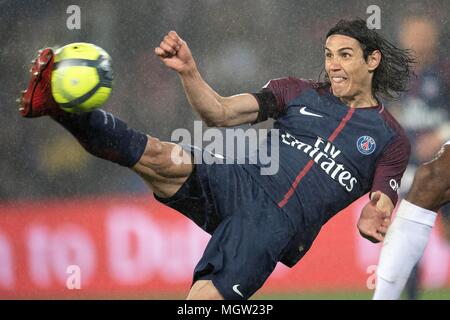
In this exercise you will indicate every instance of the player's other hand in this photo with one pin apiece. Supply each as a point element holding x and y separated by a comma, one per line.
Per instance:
<point>373,222</point>
<point>175,53</point>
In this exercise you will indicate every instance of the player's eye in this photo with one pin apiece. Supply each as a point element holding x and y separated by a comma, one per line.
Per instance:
<point>346,55</point>
<point>328,55</point>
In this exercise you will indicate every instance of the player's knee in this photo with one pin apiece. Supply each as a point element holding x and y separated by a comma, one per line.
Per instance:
<point>154,147</point>
<point>155,155</point>
<point>429,186</point>
<point>204,290</point>
<point>423,175</point>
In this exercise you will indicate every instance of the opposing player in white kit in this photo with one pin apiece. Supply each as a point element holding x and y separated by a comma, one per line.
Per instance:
<point>408,235</point>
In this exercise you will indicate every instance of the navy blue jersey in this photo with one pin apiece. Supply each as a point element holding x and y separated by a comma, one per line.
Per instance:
<point>329,154</point>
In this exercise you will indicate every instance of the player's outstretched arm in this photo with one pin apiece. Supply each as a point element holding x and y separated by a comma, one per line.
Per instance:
<point>214,109</point>
<point>375,217</point>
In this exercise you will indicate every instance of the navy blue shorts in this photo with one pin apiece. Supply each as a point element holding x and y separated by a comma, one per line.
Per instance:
<point>249,231</point>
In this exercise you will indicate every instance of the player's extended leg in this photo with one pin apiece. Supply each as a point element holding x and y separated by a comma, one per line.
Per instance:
<point>409,233</point>
<point>164,166</point>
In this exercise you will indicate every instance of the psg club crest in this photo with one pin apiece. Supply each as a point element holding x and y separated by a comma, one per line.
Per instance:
<point>366,145</point>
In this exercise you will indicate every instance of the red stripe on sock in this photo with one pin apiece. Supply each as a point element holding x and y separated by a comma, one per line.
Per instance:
<point>308,166</point>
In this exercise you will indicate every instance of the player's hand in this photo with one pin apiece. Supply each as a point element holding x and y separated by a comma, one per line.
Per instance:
<point>175,53</point>
<point>373,222</point>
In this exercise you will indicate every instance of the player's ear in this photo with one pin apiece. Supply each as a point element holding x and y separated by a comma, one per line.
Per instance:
<point>374,60</point>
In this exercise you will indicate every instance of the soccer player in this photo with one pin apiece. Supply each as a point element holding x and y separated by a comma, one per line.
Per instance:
<point>424,111</point>
<point>336,143</point>
<point>408,235</point>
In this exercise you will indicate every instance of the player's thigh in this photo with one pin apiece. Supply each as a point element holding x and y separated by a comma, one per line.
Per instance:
<point>204,290</point>
<point>164,187</point>
<point>431,185</point>
<point>440,166</point>
<point>446,163</point>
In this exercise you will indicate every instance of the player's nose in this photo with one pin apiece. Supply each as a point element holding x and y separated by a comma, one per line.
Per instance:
<point>335,65</point>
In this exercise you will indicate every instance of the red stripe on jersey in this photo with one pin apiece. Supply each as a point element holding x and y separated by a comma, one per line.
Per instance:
<point>295,183</point>
<point>308,166</point>
<point>341,125</point>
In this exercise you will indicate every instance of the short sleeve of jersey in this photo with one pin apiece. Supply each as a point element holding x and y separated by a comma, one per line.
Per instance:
<point>391,166</point>
<point>276,95</point>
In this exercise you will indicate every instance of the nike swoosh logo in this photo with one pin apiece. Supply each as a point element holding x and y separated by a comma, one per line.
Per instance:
<point>235,289</point>
<point>307,113</point>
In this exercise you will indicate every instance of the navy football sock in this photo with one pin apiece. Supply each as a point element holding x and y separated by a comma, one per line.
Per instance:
<point>105,136</point>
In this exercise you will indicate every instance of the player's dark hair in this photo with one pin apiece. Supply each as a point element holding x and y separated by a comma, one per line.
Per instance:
<point>392,75</point>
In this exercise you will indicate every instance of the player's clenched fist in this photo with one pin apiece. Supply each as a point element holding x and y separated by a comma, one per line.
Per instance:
<point>175,53</point>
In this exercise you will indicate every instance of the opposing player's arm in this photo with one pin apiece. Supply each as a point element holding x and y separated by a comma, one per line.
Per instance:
<point>214,109</point>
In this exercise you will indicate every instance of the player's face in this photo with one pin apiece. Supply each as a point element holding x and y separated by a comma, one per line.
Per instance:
<point>346,67</point>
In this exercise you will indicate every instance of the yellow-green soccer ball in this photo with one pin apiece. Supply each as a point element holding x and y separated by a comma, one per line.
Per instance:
<point>82,77</point>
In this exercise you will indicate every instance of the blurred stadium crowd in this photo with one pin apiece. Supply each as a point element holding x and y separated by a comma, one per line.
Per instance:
<point>239,46</point>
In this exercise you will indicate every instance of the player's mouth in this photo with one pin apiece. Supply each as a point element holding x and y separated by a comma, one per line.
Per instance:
<point>338,80</point>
